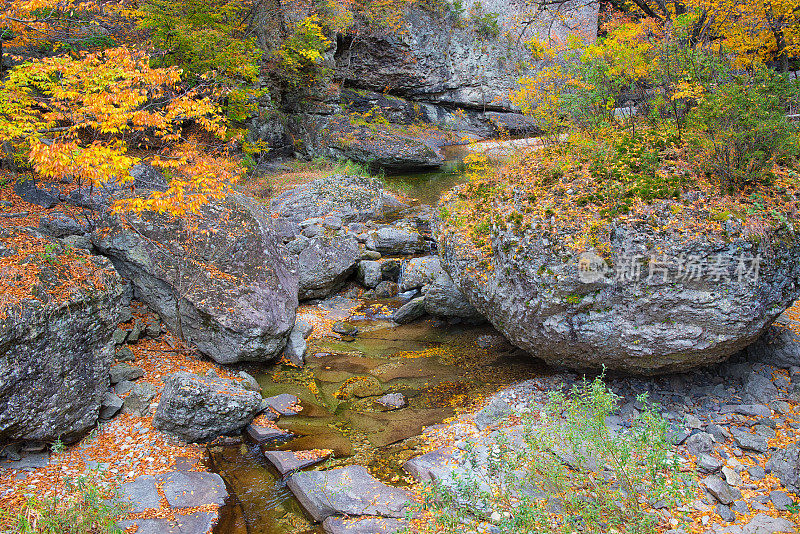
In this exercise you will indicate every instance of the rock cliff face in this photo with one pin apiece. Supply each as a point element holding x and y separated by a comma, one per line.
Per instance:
<point>455,60</point>
<point>446,74</point>
<point>657,303</point>
<point>56,346</point>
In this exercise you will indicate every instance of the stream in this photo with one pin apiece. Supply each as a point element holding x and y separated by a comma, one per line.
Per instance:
<point>439,367</point>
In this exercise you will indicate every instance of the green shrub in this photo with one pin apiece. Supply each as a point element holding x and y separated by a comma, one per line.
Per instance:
<point>742,128</point>
<point>570,473</point>
<point>86,508</point>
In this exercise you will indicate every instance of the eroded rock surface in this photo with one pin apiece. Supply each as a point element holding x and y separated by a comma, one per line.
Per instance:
<point>237,296</point>
<point>531,288</point>
<point>56,345</point>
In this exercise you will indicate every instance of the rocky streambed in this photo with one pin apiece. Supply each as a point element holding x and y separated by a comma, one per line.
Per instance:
<point>397,329</point>
<point>353,366</point>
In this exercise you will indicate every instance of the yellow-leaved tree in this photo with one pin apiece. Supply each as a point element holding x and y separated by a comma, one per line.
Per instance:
<point>81,116</point>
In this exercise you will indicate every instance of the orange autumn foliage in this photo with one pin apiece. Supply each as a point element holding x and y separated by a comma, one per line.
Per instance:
<point>82,115</point>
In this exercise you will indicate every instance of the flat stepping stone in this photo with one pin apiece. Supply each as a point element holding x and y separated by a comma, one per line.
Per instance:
<point>151,526</point>
<point>350,491</point>
<point>751,442</point>
<point>363,525</point>
<point>196,523</point>
<point>264,434</point>
<point>283,404</point>
<point>290,461</point>
<point>28,462</point>
<point>141,494</point>
<point>430,467</point>
<point>753,410</point>
<point>763,524</point>
<point>187,489</point>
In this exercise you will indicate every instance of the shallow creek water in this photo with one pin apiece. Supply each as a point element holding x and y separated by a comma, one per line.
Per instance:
<point>440,370</point>
<point>438,367</point>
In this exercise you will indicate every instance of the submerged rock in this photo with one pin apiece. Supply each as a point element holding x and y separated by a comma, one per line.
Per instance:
<point>290,461</point>
<point>198,408</point>
<point>237,296</point>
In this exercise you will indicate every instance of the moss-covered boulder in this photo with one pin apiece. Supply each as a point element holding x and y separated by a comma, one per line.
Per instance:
<point>645,273</point>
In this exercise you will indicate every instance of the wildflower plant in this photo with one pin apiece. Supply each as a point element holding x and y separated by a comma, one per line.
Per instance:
<point>563,470</point>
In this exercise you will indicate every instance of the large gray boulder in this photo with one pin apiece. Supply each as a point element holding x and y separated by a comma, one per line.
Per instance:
<point>56,344</point>
<point>347,491</point>
<point>657,301</point>
<point>237,294</point>
<point>394,240</point>
<point>419,272</point>
<point>324,264</point>
<point>351,198</point>
<point>410,311</point>
<point>444,299</point>
<point>200,408</point>
<point>384,145</point>
<point>779,346</point>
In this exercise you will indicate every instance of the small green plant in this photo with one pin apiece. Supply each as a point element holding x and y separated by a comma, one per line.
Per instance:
<point>57,446</point>
<point>86,507</point>
<point>485,24</point>
<point>567,472</point>
<point>50,253</point>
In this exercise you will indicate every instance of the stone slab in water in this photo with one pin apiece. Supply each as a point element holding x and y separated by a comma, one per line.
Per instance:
<point>289,461</point>
<point>363,525</point>
<point>264,434</point>
<point>347,491</point>
<point>338,443</point>
<point>283,404</point>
